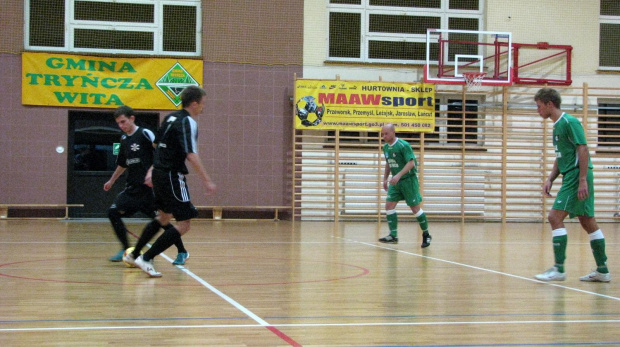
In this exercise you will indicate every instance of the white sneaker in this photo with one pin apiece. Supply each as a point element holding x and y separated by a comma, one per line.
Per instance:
<point>129,260</point>
<point>147,266</point>
<point>596,276</point>
<point>551,275</point>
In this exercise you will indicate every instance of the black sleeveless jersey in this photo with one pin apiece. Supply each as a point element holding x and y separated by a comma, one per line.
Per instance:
<point>136,155</point>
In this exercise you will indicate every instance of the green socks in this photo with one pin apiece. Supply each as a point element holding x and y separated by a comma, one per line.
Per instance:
<point>560,240</point>
<point>597,243</point>
<point>392,219</point>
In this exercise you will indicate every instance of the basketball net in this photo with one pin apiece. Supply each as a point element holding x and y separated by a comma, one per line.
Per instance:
<point>473,80</point>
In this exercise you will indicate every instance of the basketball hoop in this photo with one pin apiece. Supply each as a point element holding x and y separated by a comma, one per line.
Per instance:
<point>473,80</point>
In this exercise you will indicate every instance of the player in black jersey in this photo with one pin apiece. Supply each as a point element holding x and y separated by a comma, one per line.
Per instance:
<point>135,156</point>
<point>176,142</point>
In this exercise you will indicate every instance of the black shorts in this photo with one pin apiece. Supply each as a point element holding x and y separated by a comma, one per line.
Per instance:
<point>136,199</point>
<point>172,195</point>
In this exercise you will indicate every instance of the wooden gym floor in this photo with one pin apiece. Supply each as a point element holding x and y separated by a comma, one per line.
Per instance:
<point>305,284</point>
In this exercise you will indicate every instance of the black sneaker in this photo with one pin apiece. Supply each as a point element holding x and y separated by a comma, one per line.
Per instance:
<point>426,240</point>
<point>389,239</point>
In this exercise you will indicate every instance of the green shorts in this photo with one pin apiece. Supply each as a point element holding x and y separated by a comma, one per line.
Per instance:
<point>567,199</point>
<point>407,189</point>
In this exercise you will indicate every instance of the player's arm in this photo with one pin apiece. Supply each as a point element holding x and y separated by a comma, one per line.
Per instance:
<point>408,167</point>
<point>386,175</point>
<point>194,159</point>
<point>555,172</point>
<point>582,154</point>
<point>117,173</point>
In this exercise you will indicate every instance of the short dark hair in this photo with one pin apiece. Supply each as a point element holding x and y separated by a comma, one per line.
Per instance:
<point>191,94</point>
<point>124,111</point>
<point>549,94</point>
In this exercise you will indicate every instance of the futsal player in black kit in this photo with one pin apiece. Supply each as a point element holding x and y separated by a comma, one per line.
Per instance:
<point>135,156</point>
<point>176,143</point>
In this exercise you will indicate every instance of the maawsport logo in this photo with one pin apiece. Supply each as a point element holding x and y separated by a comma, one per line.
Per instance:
<point>174,81</point>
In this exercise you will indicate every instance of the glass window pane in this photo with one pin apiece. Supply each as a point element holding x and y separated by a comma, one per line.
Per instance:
<point>400,24</point>
<point>464,5</point>
<point>47,23</point>
<point>397,50</point>
<point>463,23</point>
<point>609,45</point>
<point>180,28</point>
<point>610,8</point>
<point>345,35</point>
<point>407,3</point>
<point>114,39</point>
<point>114,12</point>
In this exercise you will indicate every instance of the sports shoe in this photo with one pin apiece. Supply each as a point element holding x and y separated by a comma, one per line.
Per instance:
<point>117,257</point>
<point>147,266</point>
<point>181,258</point>
<point>596,276</point>
<point>389,239</point>
<point>551,275</point>
<point>129,259</point>
<point>426,240</point>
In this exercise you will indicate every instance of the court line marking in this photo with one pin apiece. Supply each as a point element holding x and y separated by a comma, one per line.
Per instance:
<point>480,268</point>
<point>235,304</point>
<point>311,325</point>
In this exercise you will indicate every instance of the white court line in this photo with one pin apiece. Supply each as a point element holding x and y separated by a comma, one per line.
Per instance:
<point>481,269</point>
<point>310,325</point>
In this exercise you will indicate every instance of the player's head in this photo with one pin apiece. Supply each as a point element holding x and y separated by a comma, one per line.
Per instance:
<point>125,119</point>
<point>388,133</point>
<point>546,95</point>
<point>192,94</point>
<point>124,111</point>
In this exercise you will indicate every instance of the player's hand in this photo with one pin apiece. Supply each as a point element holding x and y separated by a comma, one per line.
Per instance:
<point>547,189</point>
<point>107,186</point>
<point>385,185</point>
<point>394,180</point>
<point>148,179</point>
<point>582,192</point>
<point>210,187</point>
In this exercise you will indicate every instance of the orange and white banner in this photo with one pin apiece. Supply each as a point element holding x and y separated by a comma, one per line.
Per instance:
<point>367,106</point>
<point>106,82</point>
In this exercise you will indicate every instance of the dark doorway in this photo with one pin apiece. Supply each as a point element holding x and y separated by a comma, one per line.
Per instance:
<point>91,161</point>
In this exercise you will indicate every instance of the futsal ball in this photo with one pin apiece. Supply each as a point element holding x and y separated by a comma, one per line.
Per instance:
<point>127,251</point>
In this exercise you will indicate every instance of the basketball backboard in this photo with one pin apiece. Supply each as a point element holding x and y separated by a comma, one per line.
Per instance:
<point>449,53</point>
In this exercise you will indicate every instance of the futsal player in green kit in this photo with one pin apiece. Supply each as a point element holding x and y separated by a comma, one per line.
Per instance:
<point>576,196</point>
<point>404,185</point>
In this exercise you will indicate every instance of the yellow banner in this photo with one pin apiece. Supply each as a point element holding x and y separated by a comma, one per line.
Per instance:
<point>323,104</point>
<point>106,82</point>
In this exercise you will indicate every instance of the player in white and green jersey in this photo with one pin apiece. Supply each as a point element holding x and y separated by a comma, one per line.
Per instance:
<point>576,196</point>
<point>402,165</point>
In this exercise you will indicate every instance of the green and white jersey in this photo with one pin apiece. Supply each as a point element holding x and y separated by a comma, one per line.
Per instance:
<point>567,135</point>
<point>398,156</point>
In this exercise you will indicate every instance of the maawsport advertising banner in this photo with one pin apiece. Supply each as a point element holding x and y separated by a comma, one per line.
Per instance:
<point>106,82</point>
<point>364,106</point>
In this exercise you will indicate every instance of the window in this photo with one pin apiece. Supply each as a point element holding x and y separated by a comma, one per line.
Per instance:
<point>609,41</point>
<point>152,27</point>
<point>394,31</point>
<point>609,125</point>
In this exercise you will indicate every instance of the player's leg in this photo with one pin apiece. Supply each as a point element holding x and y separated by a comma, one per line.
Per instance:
<point>559,240</point>
<point>392,217</point>
<point>149,208</point>
<point>597,239</point>
<point>183,212</point>
<point>597,243</point>
<point>116,212</point>
<point>411,191</point>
